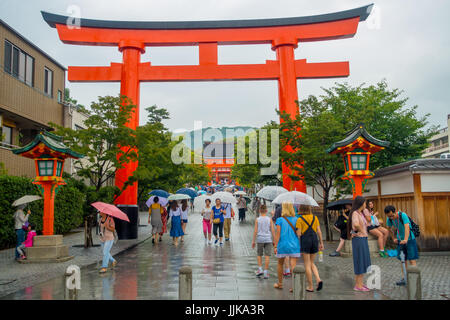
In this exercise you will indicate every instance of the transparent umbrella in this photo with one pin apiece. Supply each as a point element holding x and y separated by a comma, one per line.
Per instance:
<point>270,192</point>
<point>199,202</point>
<point>225,197</point>
<point>295,197</point>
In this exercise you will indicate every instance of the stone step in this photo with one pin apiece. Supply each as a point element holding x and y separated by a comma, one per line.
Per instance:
<point>42,241</point>
<point>47,252</point>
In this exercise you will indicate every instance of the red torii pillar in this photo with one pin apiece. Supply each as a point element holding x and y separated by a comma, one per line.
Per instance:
<point>283,34</point>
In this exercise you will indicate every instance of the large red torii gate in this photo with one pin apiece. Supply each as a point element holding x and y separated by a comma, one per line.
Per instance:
<point>132,37</point>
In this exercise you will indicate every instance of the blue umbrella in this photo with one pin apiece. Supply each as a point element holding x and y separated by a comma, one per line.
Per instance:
<point>159,193</point>
<point>188,192</point>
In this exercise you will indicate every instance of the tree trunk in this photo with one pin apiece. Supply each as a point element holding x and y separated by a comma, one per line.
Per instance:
<point>88,242</point>
<point>325,215</point>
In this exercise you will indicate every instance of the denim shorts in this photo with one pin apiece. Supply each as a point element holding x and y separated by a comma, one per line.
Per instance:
<point>410,250</point>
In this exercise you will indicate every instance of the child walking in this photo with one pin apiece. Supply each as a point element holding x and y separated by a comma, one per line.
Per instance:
<point>28,242</point>
<point>264,234</point>
<point>206,213</point>
<point>175,230</point>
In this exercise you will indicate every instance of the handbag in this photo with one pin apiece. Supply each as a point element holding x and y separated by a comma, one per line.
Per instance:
<point>216,221</point>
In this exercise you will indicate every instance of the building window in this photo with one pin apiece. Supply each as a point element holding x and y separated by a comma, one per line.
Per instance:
<point>19,64</point>
<point>59,96</point>
<point>48,81</point>
<point>7,135</point>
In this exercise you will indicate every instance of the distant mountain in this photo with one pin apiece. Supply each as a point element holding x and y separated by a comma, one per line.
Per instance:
<point>213,134</point>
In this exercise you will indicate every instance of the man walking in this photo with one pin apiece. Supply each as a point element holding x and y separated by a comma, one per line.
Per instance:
<point>399,227</point>
<point>242,206</point>
<point>227,221</point>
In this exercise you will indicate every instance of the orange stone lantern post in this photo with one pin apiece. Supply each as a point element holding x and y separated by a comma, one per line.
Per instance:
<point>356,150</point>
<point>49,154</point>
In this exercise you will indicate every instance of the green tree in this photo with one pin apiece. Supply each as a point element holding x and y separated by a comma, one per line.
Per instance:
<point>248,174</point>
<point>326,119</point>
<point>105,131</point>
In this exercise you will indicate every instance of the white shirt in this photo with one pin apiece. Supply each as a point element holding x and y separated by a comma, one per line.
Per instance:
<point>227,215</point>
<point>175,213</point>
<point>206,213</point>
<point>184,214</point>
<point>20,218</point>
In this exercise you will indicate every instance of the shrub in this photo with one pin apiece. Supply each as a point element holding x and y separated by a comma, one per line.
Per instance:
<point>68,207</point>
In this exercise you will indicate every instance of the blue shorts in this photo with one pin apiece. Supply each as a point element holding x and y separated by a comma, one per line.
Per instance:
<point>184,220</point>
<point>410,250</point>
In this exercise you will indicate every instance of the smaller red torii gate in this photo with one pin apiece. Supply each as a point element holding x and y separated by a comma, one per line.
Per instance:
<point>283,34</point>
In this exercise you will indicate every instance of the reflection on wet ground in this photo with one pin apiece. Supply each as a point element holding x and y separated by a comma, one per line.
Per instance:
<point>150,271</point>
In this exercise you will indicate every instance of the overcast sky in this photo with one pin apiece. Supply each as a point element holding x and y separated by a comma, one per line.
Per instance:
<point>410,47</point>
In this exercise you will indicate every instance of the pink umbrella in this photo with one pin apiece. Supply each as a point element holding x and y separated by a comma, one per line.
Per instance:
<point>111,210</point>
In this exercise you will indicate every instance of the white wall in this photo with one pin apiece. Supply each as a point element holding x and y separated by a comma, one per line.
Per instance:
<point>435,181</point>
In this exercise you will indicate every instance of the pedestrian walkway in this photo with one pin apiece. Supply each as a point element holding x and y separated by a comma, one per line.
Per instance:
<point>150,271</point>
<point>15,276</point>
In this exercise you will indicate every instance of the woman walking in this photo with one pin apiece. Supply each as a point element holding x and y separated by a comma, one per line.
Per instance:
<point>357,230</point>
<point>155,212</point>
<point>107,228</point>
<point>206,214</point>
<point>308,228</point>
<point>242,206</point>
<point>176,230</point>
<point>286,241</point>
<point>217,219</point>
<point>184,216</point>
<point>19,220</point>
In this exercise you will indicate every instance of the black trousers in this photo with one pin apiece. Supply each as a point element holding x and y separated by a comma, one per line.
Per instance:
<point>242,214</point>
<point>218,226</point>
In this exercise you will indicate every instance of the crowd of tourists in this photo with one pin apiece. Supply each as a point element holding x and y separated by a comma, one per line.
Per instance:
<point>288,232</point>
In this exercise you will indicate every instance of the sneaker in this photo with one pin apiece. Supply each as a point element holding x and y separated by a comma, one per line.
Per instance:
<point>266,274</point>
<point>221,244</point>
<point>259,272</point>
<point>401,282</point>
<point>335,254</point>
<point>227,239</point>
<point>382,254</point>
<point>114,264</point>
<point>215,242</point>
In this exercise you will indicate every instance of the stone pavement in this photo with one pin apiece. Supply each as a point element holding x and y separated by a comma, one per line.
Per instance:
<point>435,272</point>
<point>150,271</point>
<point>15,276</point>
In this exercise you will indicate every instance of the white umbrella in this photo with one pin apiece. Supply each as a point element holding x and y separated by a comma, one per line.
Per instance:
<point>25,200</point>
<point>240,193</point>
<point>178,196</point>
<point>199,202</point>
<point>225,197</point>
<point>295,197</point>
<point>271,192</point>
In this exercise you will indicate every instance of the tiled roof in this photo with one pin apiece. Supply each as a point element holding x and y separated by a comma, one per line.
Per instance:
<point>416,165</point>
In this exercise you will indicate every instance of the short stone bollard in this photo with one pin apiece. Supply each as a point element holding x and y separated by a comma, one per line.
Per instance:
<point>72,282</point>
<point>185,283</point>
<point>414,283</point>
<point>299,285</point>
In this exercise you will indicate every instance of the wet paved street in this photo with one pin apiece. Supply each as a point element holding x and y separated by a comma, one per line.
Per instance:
<point>150,271</point>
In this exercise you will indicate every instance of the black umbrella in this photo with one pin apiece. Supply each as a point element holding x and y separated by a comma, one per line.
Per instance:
<point>339,205</point>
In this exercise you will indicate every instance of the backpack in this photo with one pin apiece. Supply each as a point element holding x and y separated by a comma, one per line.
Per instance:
<point>341,222</point>
<point>415,229</point>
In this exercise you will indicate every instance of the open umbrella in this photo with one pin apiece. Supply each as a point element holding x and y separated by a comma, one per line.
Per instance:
<point>159,193</point>
<point>339,205</point>
<point>189,192</point>
<point>295,197</point>
<point>270,192</point>
<point>25,200</point>
<point>240,193</point>
<point>225,197</point>
<point>178,196</point>
<point>199,202</point>
<point>162,201</point>
<point>201,192</point>
<point>110,210</point>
